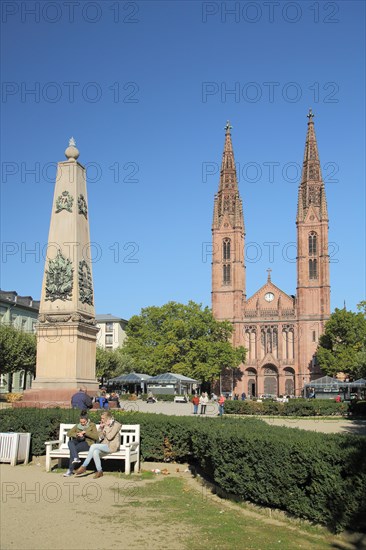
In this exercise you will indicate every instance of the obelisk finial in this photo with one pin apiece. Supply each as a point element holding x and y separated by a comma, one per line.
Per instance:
<point>72,153</point>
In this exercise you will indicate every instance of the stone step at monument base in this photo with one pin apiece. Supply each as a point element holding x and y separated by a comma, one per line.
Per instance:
<point>49,398</point>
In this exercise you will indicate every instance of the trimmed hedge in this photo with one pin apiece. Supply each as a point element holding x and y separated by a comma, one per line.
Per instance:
<point>311,475</point>
<point>295,407</point>
<point>358,408</point>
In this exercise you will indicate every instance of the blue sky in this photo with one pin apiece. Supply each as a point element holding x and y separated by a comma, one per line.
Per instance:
<point>146,88</point>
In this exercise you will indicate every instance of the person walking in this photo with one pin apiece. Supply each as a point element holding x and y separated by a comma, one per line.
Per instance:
<point>221,403</point>
<point>195,401</point>
<point>203,402</point>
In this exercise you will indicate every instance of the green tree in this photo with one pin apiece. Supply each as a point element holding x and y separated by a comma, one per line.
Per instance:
<point>105,364</point>
<point>18,351</point>
<point>111,363</point>
<point>184,339</point>
<point>362,307</point>
<point>124,362</point>
<point>342,347</point>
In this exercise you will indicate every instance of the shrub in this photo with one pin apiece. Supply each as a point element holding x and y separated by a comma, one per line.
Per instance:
<point>358,408</point>
<point>310,475</point>
<point>13,397</point>
<point>295,407</point>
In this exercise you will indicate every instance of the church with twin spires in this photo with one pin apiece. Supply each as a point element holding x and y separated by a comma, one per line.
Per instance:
<point>279,331</point>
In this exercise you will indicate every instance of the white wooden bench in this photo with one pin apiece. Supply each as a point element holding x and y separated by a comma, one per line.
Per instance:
<point>180,399</point>
<point>129,450</point>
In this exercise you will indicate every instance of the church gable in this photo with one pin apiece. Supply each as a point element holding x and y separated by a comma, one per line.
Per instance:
<point>269,359</point>
<point>269,296</point>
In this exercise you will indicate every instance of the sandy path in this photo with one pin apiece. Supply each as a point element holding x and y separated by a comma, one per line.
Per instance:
<point>323,425</point>
<point>47,511</point>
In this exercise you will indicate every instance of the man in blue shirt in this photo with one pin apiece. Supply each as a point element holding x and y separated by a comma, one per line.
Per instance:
<point>81,400</point>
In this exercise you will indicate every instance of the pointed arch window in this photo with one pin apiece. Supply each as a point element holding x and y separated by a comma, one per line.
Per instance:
<point>227,274</point>
<point>226,249</point>
<point>313,269</point>
<point>312,244</point>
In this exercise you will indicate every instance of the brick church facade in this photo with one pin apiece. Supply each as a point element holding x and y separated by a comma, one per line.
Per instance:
<point>280,331</point>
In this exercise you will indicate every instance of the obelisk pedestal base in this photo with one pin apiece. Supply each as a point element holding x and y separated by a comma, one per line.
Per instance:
<point>48,398</point>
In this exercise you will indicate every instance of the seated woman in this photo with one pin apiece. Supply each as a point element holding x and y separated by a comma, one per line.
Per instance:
<point>114,398</point>
<point>82,435</point>
<point>109,442</point>
<point>103,401</point>
<point>151,398</point>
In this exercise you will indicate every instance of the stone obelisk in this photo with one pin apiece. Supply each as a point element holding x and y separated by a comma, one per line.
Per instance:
<point>66,328</point>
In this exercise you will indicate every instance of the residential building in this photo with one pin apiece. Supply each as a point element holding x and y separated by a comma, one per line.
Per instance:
<point>112,331</point>
<point>20,312</point>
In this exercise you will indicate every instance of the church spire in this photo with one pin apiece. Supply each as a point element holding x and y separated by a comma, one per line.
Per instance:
<point>227,200</point>
<point>228,179</point>
<point>313,286</point>
<point>228,269</point>
<point>311,190</point>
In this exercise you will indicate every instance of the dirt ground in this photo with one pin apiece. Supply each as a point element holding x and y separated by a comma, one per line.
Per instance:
<point>41,510</point>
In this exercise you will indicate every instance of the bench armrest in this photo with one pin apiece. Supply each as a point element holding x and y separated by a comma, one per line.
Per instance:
<point>132,446</point>
<point>50,443</point>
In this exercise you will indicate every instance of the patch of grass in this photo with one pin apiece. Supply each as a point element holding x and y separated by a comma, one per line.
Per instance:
<point>209,522</point>
<point>146,474</point>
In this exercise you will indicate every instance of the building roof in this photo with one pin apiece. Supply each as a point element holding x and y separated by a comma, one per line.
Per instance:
<point>334,383</point>
<point>359,382</point>
<point>107,317</point>
<point>325,382</point>
<point>171,378</point>
<point>13,297</point>
<point>131,378</point>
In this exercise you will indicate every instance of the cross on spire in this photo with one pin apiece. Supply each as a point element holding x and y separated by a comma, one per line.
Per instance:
<point>269,274</point>
<point>228,127</point>
<point>310,115</point>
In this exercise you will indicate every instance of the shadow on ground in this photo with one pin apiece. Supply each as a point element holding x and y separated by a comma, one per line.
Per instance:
<point>357,427</point>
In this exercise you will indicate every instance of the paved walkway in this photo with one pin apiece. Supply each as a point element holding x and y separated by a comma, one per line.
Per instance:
<point>317,424</point>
